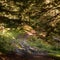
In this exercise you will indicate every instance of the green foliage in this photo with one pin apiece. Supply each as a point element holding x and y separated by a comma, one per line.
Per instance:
<point>44,46</point>
<point>7,40</point>
<point>42,15</point>
<point>5,44</point>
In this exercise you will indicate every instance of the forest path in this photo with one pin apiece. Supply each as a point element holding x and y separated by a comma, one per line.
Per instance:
<point>14,56</point>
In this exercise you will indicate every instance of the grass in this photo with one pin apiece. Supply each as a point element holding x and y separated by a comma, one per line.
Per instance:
<point>45,46</point>
<point>7,38</point>
<point>10,35</point>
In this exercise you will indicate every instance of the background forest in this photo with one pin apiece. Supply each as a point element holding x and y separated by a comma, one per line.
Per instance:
<point>36,22</point>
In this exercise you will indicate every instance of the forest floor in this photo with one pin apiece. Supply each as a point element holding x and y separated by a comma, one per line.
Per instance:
<point>15,56</point>
<point>22,57</point>
<point>36,42</point>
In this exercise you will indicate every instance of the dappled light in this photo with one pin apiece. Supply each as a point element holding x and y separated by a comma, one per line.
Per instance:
<point>30,29</point>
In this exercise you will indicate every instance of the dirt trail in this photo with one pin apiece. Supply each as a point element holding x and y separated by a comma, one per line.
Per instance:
<point>23,57</point>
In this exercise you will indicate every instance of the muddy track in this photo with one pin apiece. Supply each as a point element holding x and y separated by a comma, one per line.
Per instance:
<point>15,56</point>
